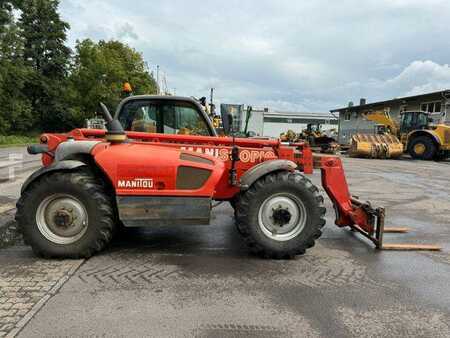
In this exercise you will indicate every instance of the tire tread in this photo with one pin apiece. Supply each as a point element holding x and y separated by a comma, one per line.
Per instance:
<point>242,213</point>
<point>95,188</point>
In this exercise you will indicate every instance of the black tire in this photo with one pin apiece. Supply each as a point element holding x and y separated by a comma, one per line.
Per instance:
<point>295,185</point>
<point>428,144</point>
<point>89,192</point>
<point>233,202</point>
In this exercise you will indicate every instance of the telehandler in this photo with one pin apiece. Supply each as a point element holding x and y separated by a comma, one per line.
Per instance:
<point>94,181</point>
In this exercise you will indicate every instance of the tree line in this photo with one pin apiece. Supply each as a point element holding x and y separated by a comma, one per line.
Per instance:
<point>46,86</point>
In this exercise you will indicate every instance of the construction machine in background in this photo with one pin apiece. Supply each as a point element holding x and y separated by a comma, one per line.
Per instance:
<point>384,143</point>
<point>315,137</point>
<point>416,135</point>
<point>380,145</point>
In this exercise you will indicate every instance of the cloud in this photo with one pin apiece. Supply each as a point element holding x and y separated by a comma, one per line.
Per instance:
<point>422,76</point>
<point>416,78</point>
<point>308,55</point>
<point>126,31</point>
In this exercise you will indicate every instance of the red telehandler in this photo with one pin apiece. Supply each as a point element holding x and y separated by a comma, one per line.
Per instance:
<point>161,162</point>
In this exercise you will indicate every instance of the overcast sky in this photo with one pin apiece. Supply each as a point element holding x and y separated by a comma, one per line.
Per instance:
<point>287,55</point>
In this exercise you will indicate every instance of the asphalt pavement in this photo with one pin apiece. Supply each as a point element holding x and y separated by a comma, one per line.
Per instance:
<point>202,281</point>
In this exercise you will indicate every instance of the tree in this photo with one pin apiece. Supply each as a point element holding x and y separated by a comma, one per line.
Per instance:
<point>99,72</point>
<point>44,88</point>
<point>15,107</point>
<point>45,52</point>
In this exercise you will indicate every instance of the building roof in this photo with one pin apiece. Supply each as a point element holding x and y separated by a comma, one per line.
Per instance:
<point>292,114</point>
<point>445,93</point>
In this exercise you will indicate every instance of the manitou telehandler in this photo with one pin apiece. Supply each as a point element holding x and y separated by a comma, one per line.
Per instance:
<point>160,162</point>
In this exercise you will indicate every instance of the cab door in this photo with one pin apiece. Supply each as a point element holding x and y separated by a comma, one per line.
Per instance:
<point>140,115</point>
<point>408,122</point>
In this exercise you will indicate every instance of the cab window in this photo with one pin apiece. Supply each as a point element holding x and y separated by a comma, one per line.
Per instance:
<point>422,120</point>
<point>182,118</point>
<point>139,116</point>
<point>407,121</point>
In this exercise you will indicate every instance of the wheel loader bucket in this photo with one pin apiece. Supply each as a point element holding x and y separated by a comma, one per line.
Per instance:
<point>375,146</point>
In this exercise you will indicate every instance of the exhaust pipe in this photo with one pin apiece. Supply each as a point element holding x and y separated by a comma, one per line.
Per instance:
<point>114,130</point>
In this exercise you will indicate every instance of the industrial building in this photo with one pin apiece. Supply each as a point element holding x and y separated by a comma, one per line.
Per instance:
<point>352,120</point>
<point>264,122</point>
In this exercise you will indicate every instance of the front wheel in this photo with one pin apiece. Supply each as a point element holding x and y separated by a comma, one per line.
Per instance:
<point>281,215</point>
<point>422,148</point>
<point>66,215</point>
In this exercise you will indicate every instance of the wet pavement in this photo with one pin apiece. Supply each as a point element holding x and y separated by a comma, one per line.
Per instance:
<point>202,281</point>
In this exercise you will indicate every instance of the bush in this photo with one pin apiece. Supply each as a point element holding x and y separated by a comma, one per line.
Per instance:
<point>18,139</point>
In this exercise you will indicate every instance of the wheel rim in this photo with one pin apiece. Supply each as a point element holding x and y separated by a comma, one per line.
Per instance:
<point>62,219</point>
<point>419,148</point>
<point>282,217</point>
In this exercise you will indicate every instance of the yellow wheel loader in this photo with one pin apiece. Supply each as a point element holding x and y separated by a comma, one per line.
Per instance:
<point>422,138</point>
<point>417,135</point>
<point>382,144</point>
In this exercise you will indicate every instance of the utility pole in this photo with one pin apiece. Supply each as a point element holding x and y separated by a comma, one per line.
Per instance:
<point>211,100</point>
<point>157,79</point>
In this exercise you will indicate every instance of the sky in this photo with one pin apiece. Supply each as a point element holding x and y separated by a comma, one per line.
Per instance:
<point>305,55</point>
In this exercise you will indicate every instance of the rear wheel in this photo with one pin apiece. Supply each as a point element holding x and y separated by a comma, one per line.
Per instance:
<point>422,148</point>
<point>66,214</point>
<point>281,215</point>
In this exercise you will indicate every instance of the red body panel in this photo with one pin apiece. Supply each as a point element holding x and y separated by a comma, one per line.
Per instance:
<point>137,169</point>
<point>251,152</point>
<point>128,161</point>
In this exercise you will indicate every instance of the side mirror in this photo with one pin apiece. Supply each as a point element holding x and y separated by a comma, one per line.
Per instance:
<point>227,122</point>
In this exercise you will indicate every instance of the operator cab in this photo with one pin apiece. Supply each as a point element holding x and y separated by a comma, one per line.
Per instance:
<point>414,120</point>
<point>164,115</point>
<point>314,128</point>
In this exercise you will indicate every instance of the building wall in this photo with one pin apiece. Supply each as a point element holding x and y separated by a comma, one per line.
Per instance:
<point>274,129</point>
<point>270,124</point>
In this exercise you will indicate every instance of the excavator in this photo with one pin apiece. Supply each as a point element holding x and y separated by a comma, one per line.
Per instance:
<point>416,135</point>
